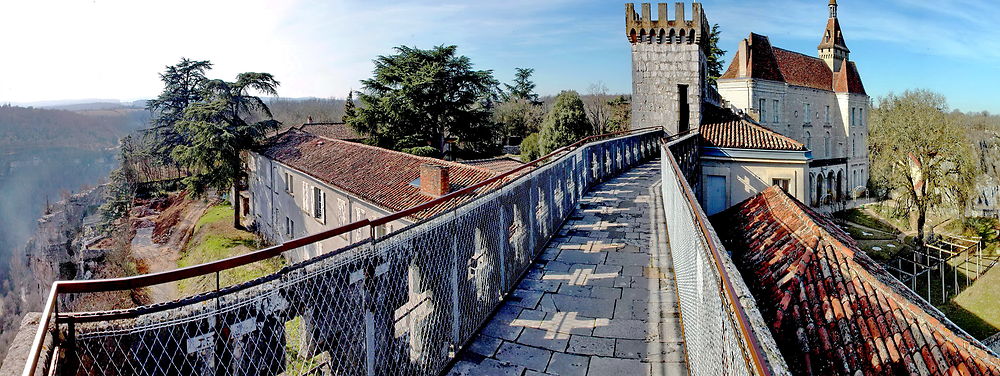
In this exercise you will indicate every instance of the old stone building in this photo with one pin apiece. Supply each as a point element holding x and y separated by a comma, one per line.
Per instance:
<point>305,181</point>
<point>819,101</point>
<point>668,66</point>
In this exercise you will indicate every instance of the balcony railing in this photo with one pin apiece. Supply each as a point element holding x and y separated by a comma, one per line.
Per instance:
<point>405,303</point>
<point>723,330</point>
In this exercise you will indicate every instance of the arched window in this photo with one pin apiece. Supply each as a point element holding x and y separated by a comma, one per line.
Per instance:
<point>680,38</point>
<point>826,145</point>
<point>690,36</point>
<point>660,39</point>
<point>808,140</point>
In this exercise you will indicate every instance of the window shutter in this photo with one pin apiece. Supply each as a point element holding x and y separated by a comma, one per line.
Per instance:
<point>322,209</point>
<point>305,197</point>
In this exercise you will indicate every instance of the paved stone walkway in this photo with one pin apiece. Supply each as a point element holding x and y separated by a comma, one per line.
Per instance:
<point>600,300</point>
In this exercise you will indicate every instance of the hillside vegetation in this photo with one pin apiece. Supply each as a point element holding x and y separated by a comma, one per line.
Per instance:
<point>24,128</point>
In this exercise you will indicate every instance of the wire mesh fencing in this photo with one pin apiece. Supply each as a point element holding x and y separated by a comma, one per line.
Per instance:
<point>717,343</point>
<point>403,304</point>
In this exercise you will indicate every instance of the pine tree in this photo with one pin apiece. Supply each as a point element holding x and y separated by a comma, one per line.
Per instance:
<point>715,55</point>
<point>348,106</point>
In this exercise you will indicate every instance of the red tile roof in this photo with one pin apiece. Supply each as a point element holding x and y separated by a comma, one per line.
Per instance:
<point>848,80</point>
<point>336,131</point>
<point>772,63</point>
<point>804,70</point>
<point>831,308</point>
<point>380,176</point>
<point>744,134</point>
<point>499,164</point>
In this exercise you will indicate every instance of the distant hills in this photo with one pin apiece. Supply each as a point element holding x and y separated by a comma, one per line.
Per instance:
<point>90,127</point>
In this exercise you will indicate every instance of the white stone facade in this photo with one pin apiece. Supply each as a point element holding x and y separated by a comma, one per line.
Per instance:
<point>820,119</point>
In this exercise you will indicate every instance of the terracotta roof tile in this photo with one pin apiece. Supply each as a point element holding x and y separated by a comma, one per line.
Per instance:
<point>776,64</point>
<point>744,134</point>
<point>380,176</point>
<point>499,164</point>
<point>848,80</point>
<point>804,70</point>
<point>335,131</point>
<point>892,330</point>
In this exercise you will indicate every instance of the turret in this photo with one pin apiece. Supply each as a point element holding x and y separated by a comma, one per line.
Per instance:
<point>668,65</point>
<point>832,48</point>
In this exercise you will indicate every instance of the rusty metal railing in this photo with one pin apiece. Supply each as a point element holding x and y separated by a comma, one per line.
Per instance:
<point>51,315</point>
<point>723,331</point>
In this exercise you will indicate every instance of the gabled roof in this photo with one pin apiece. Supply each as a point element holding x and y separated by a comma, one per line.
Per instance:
<point>776,64</point>
<point>380,176</point>
<point>804,70</point>
<point>744,134</point>
<point>848,80</point>
<point>831,308</point>
<point>336,131</point>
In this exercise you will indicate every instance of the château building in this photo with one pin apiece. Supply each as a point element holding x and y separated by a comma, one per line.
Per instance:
<point>819,101</point>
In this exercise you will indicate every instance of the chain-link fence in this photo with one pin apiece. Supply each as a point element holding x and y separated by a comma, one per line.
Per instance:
<point>403,304</point>
<point>723,331</point>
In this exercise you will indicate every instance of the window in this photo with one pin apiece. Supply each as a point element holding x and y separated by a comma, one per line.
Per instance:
<point>806,114</point>
<point>826,114</point>
<point>826,145</point>
<point>289,227</point>
<point>288,183</point>
<point>763,113</point>
<point>861,116</point>
<point>852,116</point>
<point>808,140</point>
<point>319,204</point>
<point>360,233</point>
<point>774,109</point>
<point>782,183</point>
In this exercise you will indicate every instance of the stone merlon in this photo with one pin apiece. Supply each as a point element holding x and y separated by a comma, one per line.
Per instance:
<point>679,29</point>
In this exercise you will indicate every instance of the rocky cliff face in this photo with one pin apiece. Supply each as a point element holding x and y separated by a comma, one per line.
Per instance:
<point>56,251</point>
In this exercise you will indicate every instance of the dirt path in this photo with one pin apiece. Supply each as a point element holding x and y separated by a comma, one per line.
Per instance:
<point>162,257</point>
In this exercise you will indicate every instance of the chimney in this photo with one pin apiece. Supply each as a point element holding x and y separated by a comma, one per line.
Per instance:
<point>434,179</point>
<point>744,56</point>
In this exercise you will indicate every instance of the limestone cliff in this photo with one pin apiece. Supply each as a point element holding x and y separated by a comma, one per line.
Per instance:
<point>54,252</point>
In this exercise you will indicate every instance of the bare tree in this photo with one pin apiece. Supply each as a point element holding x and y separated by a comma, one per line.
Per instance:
<point>596,104</point>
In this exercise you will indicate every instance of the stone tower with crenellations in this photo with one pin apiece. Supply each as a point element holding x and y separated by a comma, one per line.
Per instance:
<point>668,66</point>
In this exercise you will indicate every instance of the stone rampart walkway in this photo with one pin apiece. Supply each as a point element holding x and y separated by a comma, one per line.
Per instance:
<point>601,299</point>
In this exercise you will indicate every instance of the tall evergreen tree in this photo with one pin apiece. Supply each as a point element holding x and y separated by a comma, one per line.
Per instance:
<point>421,97</point>
<point>219,133</point>
<point>348,106</point>
<point>523,87</point>
<point>715,55</point>
<point>183,85</point>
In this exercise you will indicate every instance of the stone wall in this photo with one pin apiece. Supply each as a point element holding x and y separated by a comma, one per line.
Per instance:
<point>657,70</point>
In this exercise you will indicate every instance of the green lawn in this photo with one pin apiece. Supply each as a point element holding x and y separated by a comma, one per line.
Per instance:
<point>860,217</point>
<point>215,238</point>
<point>977,309</point>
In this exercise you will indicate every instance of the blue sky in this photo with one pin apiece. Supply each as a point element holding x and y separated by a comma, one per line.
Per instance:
<point>114,48</point>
